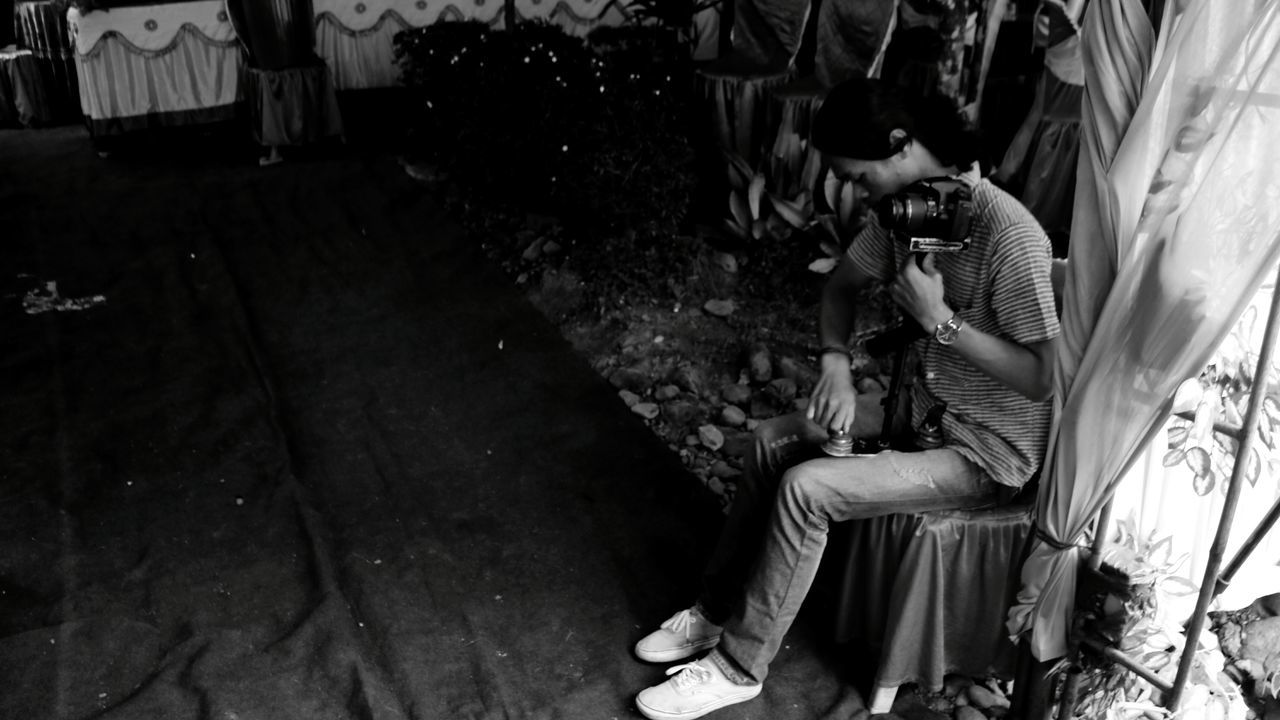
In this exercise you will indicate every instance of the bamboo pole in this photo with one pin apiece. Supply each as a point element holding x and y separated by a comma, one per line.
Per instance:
<point>1218,549</point>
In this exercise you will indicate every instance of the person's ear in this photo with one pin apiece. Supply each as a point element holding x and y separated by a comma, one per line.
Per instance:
<point>898,139</point>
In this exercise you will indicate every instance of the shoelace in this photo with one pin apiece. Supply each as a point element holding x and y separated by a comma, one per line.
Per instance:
<point>690,675</point>
<point>681,622</point>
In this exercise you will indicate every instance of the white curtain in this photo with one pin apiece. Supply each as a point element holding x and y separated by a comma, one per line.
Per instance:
<point>1177,223</point>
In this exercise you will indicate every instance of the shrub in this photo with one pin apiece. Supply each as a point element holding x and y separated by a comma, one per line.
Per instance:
<point>534,120</point>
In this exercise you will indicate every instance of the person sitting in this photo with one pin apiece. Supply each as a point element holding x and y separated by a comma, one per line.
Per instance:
<point>988,354</point>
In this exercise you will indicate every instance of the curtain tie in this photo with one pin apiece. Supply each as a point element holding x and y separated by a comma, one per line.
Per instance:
<point>1052,542</point>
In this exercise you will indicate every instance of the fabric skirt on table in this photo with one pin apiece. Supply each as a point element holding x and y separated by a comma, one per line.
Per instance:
<point>1040,165</point>
<point>294,106</point>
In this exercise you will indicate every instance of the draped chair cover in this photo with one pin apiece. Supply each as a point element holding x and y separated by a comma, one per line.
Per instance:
<point>1177,223</point>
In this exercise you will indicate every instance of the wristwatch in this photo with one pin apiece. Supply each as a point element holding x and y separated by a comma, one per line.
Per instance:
<point>946,332</point>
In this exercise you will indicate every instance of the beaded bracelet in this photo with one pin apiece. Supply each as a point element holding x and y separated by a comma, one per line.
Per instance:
<point>836,349</point>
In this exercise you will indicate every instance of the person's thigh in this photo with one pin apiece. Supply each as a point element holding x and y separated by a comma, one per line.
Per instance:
<point>889,482</point>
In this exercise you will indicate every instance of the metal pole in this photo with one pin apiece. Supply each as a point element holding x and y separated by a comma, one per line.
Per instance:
<point>1207,587</point>
<point>1247,548</point>
<point>1100,534</point>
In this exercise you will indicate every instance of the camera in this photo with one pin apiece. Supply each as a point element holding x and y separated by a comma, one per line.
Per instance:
<point>935,213</point>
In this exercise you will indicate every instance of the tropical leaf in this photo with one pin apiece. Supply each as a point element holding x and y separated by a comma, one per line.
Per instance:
<point>739,210</point>
<point>1182,586</point>
<point>795,212</point>
<point>813,167</point>
<point>740,173</point>
<point>1177,437</point>
<point>824,265</point>
<point>755,192</point>
<point>1203,484</point>
<point>1175,456</point>
<point>831,189</point>
<point>1198,460</point>
<point>828,223</point>
<point>736,230</point>
<point>1271,408</point>
<point>1155,660</point>
<point>1253,470</point>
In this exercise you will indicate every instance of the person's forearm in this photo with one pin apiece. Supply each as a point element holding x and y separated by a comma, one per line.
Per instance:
<point>1026,370</point>
<point>835,318</point>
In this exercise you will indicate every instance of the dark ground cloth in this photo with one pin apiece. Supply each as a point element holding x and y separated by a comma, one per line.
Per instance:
<point>310,457</point>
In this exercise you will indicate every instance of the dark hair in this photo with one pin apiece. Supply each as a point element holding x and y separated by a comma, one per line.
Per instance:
<point>857,116</point>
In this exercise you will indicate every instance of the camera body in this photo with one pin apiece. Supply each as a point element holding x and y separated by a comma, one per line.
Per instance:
<point>936,213</point>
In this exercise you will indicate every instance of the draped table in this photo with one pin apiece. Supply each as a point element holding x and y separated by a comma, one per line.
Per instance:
<point>41,28</point>
<point>22,100</point>
<point>357,39</point>
<point>155,65</point>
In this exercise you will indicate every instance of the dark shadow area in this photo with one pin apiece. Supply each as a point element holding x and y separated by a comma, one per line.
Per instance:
<point>278,443</point>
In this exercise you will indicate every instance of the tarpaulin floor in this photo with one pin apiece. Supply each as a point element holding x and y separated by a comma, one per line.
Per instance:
<point>278,444</point>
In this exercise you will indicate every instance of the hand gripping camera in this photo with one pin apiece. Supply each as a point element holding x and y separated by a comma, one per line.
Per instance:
<point>936,213</point>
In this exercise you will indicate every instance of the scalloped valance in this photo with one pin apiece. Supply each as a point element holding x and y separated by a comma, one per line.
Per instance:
<point>150,28</point>
<point>363,15</point>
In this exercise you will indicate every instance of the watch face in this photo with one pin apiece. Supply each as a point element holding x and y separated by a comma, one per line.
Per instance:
<point>947,331</point>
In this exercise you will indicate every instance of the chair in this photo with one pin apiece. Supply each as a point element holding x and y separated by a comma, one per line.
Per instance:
<point>944,581</point>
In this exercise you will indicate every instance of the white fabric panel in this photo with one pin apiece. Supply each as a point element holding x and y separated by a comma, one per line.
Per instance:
<point>363,15</point>
<point>364,60</point>
<point>577,17</point>
<point>117,81</point>
<point>150,27</point>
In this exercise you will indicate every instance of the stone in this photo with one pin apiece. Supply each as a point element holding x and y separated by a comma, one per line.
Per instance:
<point>759,363</point>
<point>799,373</point>
<point>737,443</point>
<point>532,252</point>
<point>724,470</point>
<point>967,712</point>
<point>681,412</point>
<point>782,391</point>
<point>666,392</point>
<point>628,397</point>
<point>762,407</point>
<point>691,440</point>
<point>736,394</point>
<point>551,247</point>
<point>715,485</point>
<point>629,379</point>
<point>720,308</point>
<point>646,410</point>
<point>711,437</point>
<point>869,385</point>
<point>953,685</point>
<point>982,697</point>
<point>733,416</point>
<point>725,261</point>
<point>752,424</point>
<point>688,377</point>
<point>559,293</point>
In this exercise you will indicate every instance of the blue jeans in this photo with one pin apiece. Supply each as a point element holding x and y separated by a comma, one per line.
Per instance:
<point>786,500</point>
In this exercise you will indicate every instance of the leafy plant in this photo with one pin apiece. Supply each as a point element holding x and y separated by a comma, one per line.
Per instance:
<point>1222,393</point>
<point>757,215</point>
<point>535,120</point>
<point>1118,607</point>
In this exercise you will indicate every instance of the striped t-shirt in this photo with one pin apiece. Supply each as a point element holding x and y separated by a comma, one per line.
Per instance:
<point>1000,285</point>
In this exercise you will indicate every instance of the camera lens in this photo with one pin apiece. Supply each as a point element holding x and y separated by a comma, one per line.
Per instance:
<point>904,213</point>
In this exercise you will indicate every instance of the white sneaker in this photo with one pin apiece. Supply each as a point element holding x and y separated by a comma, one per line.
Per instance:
<point>696,689</point>
<point>684,634</point>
